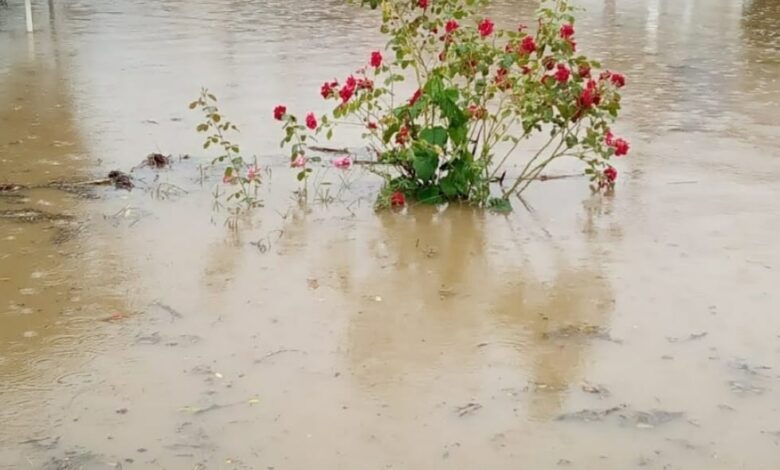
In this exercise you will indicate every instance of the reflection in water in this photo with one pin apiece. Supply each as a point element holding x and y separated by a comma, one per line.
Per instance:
<point>50,297</point>
<point>452,304</point>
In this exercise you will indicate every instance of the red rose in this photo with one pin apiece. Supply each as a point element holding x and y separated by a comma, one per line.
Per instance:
<point>365,84</point>
<point>416,96</point>
<point>451,26</point>
<point>376,59</point>
<point>609,138</point>
<point>348,89</point>
<point>346,93</point>
<point>567,31</point>
<point>422,4</point>
<point>485,28</point>
<point>528,45</point>
<point>397,199</point>
<point>477,112</point>
<point>402,136</point>
<point>311,121</point>
<point>327,88</point>
<point>562,74</point>
<point>621,147</point>
<point>611,174</point>
<point>618,80</point>
<point>589,96</point>
<point>279,112</point>
<point>583,70</point>
<point>501,79</point>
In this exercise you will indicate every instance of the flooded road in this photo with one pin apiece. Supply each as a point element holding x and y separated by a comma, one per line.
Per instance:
<point>137,330</point>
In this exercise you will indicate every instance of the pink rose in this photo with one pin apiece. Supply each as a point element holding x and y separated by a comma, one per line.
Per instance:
<point>343,163</point>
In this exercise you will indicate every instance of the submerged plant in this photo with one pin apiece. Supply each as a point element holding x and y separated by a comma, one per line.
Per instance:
<point>477,93</point>
<point>243,176</point>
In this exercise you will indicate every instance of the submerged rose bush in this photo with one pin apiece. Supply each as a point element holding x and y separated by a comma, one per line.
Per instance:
<point>480,92</point>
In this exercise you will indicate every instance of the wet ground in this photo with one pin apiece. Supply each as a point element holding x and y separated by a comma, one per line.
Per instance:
<point>137,330</point>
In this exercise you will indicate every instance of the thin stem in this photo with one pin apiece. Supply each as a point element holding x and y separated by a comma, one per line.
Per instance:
<point>530,162</point>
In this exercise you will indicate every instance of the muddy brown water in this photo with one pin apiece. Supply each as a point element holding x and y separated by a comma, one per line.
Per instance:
<point>138,331</point>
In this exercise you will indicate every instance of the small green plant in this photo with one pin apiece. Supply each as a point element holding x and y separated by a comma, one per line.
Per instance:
<point>245,177</point>
<point>480,93</point>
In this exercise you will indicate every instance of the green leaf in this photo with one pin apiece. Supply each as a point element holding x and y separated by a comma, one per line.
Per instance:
<point>435,136</point>
<point>425,162</point>
<point>202,127</point>
<point>458,134</point>
<point>390,131</point>
<point>449,186</point>
<point>500,205</point>
<point>452,112</point>
<point>429,195</point>
<point>434,87</point>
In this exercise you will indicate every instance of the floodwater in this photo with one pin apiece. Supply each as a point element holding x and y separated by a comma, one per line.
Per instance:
<point>138,330</point>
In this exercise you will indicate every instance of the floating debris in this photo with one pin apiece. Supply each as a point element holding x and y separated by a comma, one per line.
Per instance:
<point>748,368</point>
<point>32,215</point>
<point>626,416</point>
<point>690,337</point>
<point>588,415</point>
<point>585,330</point>
<point>175,315</point>
<point>277,352</point>
<point>650,419</point>
<point>742,388</point>
<point>533,386</point>
<point>157,161</point>
<point>468,409</point>
<point>599,390</point>
<point>121,180</point>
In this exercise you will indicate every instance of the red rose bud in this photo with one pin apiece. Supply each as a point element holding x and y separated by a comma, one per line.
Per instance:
<point>562,74</point>
<point>611,174</point>
<point>621,147</point>
<point>279,112</point>
<point>397,199</point>
<point>402,136</point>
<point>376,59</point>
<point>416,96</point>
<point>528,45</point>
<point>311,121</point>
<point>485,27</point>
<point>583,70</point>
<point>618,80</point>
